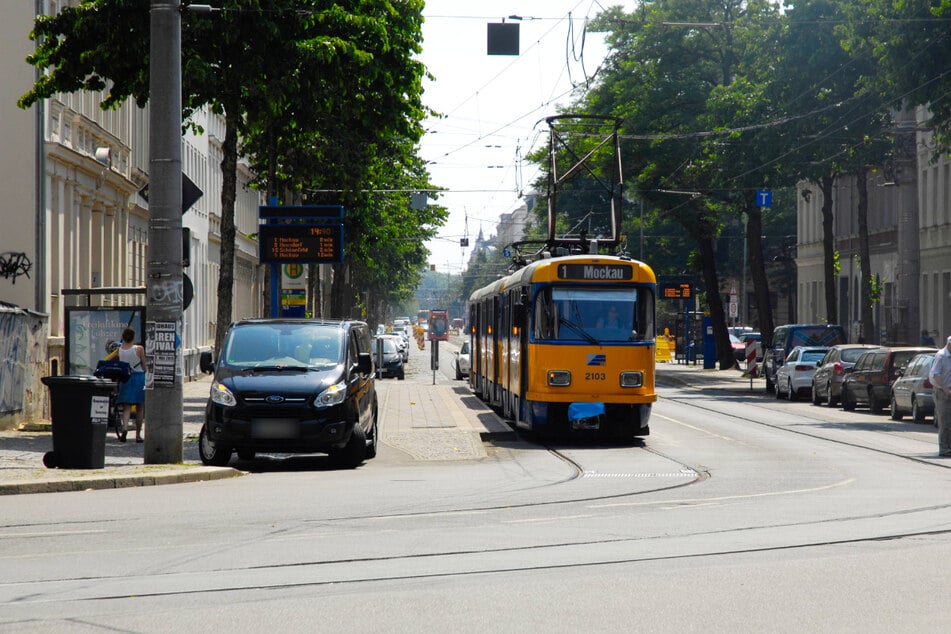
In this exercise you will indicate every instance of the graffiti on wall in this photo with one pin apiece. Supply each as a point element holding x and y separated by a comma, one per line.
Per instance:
<point>13,360</point>
<point>13,265</point>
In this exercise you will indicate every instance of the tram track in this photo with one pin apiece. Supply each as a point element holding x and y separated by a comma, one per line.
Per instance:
<point>692,402</point>
<point>190,577</point>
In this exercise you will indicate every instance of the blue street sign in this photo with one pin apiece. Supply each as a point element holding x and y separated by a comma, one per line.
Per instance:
<point>764,198</point>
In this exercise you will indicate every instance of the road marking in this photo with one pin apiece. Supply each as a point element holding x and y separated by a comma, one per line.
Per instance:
<point>674,474</point>
<point>700,429</point>
<point>558,518</point>
<point>49,534</point>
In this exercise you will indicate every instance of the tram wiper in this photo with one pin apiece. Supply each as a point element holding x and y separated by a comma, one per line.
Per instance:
<point>579,330</point>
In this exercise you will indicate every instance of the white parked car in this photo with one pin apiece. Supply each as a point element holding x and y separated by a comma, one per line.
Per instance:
<point>462,361</point>
<point>795,375</point>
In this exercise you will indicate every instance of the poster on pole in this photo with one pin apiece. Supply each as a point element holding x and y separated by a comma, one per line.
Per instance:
<point>161,353</point>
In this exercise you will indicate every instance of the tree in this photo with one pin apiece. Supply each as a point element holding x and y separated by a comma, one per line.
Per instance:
<point>249,61</point>
<point>668,60</point>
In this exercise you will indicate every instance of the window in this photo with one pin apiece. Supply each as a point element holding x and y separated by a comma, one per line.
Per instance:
<point>601,314</point>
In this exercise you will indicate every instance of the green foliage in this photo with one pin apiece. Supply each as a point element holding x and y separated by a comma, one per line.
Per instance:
<point>325,95</point>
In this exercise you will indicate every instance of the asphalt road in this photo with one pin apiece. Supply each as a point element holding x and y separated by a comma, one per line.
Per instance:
<point>738,513</point>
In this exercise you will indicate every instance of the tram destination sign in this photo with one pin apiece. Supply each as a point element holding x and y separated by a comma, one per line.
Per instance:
<point>607,272</point>
<point>305,244</point>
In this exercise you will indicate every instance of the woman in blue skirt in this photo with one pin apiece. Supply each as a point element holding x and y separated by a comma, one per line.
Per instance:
<point>132,392</point>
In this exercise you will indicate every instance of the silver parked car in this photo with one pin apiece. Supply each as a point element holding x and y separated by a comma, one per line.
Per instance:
<point>462,361</point>
<point>912,392</point>
<point>831,371</point>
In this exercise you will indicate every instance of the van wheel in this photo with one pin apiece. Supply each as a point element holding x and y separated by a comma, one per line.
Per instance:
<point>354,452</point>
<point>212,453</point>
<point>374,438</point>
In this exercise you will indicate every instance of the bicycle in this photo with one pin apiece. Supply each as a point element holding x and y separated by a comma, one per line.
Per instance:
<point>118,372</point>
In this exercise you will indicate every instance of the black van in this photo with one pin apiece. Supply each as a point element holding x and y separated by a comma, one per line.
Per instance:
<point>292,386</point>
<point>787,337</point>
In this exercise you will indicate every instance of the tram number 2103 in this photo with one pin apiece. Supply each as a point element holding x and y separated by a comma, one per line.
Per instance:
<point>595,376</point>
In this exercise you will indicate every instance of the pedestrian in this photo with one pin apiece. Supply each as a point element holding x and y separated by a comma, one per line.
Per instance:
<point>940,377</point>
<point>926,339</point>
<point>132,392</point>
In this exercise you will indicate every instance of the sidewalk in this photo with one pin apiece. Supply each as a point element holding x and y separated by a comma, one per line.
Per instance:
<point>695,376</point>
<point>429,422</point>
<point>22,469</point>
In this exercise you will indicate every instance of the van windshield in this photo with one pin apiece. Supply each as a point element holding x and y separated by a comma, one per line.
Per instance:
<point>308,346</point>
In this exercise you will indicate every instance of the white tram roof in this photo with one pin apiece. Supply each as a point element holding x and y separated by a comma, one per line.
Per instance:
<point>524,275</point>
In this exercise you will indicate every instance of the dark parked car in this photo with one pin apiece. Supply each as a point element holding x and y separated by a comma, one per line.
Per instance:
<point>912,392</point>
<point>390,359</point>
<point>870,381</point>
<point>787,337</point>
<point>292,386</point>
<point>831,371</point>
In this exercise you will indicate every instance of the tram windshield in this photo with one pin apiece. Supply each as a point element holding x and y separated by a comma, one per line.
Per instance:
<point>594,315</point>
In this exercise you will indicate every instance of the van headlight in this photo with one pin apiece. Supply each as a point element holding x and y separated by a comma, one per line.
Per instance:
<point>222,395</point>
<point>333,395</point>
<point>632,379</point>
<point>559,378</point>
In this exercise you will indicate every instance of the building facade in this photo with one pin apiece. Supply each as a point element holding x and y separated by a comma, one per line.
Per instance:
<point>75,217</point>
<point>909,247</point>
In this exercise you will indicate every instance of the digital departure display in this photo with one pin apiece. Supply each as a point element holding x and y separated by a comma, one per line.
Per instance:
<point>306,244</point>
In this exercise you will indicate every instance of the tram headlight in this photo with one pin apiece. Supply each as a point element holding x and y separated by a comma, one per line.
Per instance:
<point>632,379</point>
<point>559,378</point>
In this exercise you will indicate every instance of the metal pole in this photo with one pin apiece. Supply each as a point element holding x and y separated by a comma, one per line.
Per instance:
<point>163,336</point>
<point>741,314</point>
<point>909,248</point>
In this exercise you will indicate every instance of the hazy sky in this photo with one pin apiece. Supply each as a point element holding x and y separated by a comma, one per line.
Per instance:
<point>494,106</point>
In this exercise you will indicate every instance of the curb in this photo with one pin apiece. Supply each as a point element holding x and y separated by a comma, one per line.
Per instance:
<point>99,482</point>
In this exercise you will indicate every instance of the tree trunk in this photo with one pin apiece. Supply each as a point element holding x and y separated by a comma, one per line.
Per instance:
<point>754,244</point>
<point>714,300</point>
<point>826,183</point>
<point>865,259</point>
<point>229,176</point>
<point>342,299</point>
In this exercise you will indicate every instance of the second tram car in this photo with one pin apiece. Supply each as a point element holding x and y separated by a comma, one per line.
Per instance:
<point>567,343</point>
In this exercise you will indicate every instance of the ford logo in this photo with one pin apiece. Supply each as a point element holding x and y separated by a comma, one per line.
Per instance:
<point>274,398</point>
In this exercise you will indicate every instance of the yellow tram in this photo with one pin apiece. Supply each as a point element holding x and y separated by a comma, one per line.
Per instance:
<point>567,343</point>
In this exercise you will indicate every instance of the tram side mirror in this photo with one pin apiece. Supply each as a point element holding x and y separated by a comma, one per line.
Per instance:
<point>522,299</point>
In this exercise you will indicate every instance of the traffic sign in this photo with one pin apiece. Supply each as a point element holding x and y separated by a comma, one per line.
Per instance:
<point>764,198</point>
